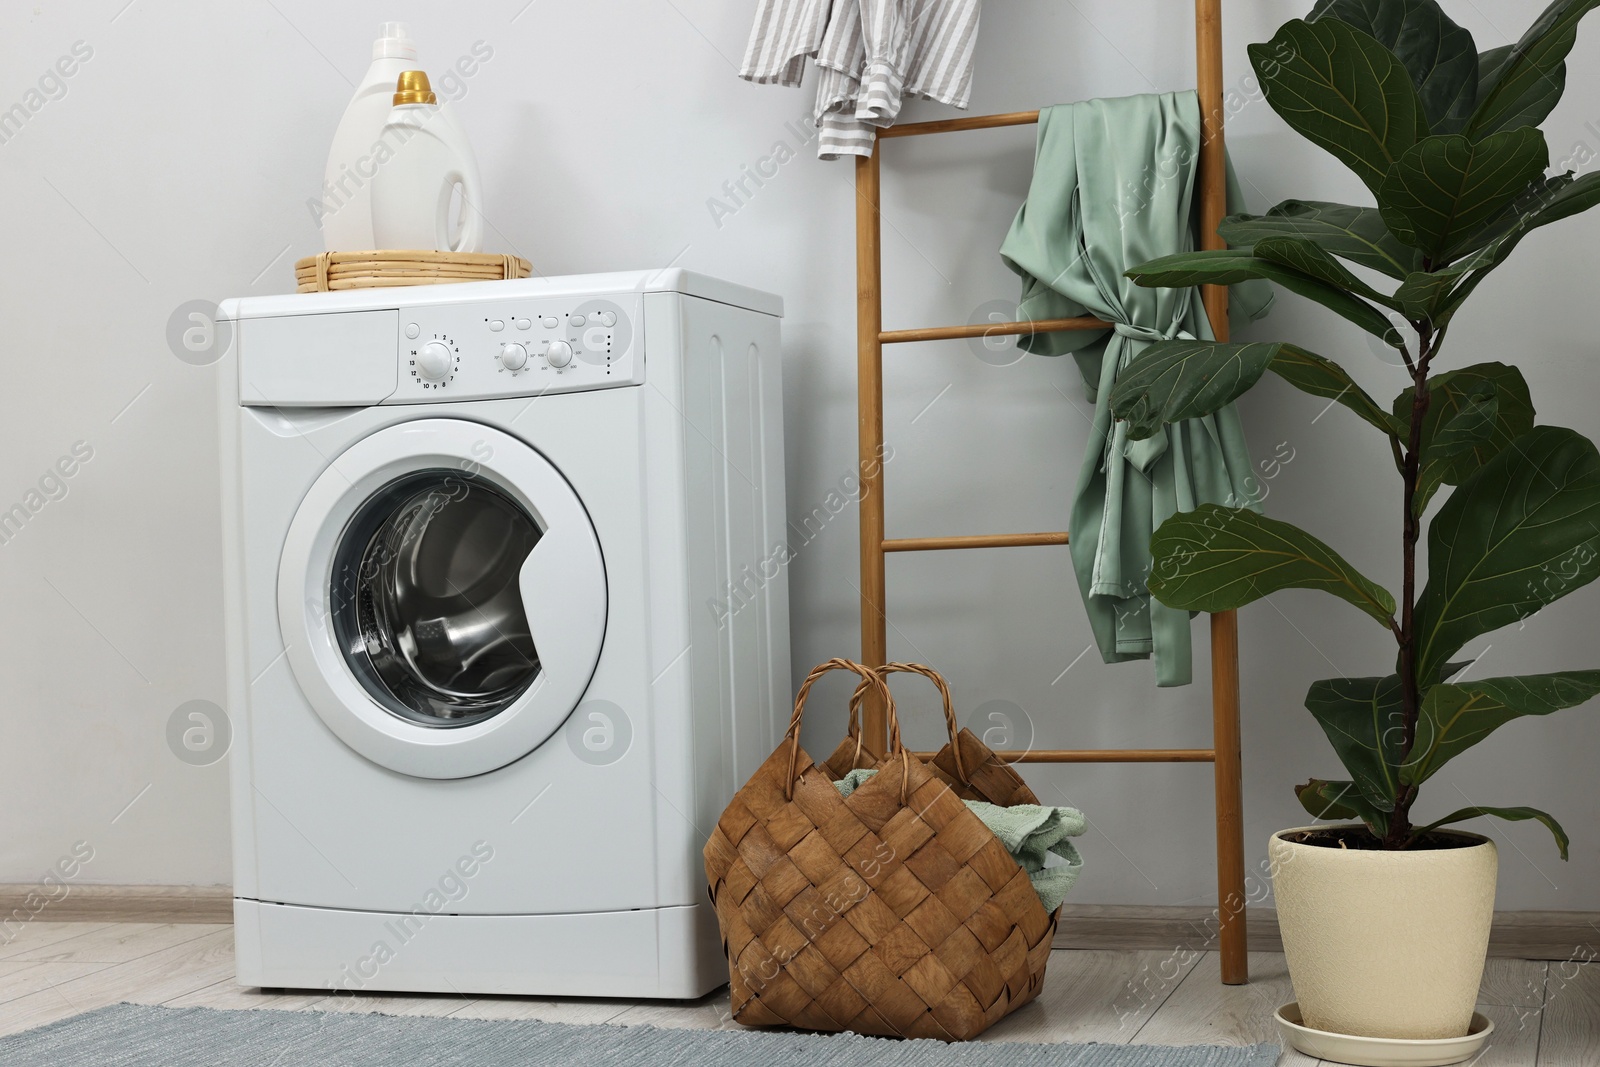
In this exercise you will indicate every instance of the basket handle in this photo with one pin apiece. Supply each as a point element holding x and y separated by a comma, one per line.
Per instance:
<point>869,677</point>
<point>944,692</point>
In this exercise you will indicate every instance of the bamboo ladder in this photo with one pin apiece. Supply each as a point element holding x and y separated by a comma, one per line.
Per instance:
<point>1224,755</point>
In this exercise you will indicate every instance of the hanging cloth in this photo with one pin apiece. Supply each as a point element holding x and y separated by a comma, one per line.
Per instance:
<point>870,55</point>
<point>877,52</point>
<point>784,34</point>
<point>1113,187</point>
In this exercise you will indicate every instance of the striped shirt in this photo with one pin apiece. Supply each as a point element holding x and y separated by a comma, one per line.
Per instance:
<point>869,55</point>
<point>785,33</point>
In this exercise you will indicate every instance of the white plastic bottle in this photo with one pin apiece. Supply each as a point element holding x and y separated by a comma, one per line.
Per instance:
<point>358,151</point>
<point>432,165</point>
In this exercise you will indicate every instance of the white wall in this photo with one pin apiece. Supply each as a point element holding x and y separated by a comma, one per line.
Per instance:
<point>177,165</point>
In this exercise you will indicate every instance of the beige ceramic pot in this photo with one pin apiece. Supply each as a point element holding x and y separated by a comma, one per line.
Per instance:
<point>1385,944</point>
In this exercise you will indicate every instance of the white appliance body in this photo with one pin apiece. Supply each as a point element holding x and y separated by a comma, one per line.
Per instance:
<point>507,793</point>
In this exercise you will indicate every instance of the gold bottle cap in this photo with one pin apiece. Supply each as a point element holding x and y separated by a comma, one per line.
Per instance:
<point>413,88</point>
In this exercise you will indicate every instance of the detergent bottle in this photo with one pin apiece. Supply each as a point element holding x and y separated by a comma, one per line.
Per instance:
<point>359,150</point>
<point>432,166</point>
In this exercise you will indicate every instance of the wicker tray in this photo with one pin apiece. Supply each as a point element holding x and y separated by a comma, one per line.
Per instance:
<point>382,267</point>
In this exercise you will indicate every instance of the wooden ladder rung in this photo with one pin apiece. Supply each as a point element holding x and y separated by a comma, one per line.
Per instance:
<point>989,329</point>
<point>935,544</point>
<point>971,122</point>
<point>1103,755</point>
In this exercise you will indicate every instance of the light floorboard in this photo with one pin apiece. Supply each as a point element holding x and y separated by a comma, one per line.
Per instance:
<point>18,980</point>
<point>1203,1011</point>
<point>161,976</point>
<point>1571,1033</point>
<point>229,995</point>
<point>424,1004</point>
<point>707,1013</point>
<point>1095,996</point>
<point>1545,1014</point>
<point>17,938</point>
<point>117,944</point>
<point>562,1010</point>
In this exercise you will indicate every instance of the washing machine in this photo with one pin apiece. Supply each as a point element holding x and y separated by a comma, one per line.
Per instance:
<point>506,627</point>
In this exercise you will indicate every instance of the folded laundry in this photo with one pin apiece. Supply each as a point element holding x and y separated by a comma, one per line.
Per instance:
<point>1032,833</point>
<point>869,54</point>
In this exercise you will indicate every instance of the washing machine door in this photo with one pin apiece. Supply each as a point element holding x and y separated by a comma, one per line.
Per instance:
<point>442,597</point>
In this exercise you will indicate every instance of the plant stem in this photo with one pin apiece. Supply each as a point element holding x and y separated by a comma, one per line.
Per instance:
<point>1399,834</point>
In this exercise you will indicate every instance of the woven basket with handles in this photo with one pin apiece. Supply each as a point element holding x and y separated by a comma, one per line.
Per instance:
<point>893,911</point>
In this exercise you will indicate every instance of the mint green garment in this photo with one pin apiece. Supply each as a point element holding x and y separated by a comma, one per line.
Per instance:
<point>1035,835</point>
<point>1113,187</point>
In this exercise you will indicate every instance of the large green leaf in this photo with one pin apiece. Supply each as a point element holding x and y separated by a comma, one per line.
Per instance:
<point>1365,721</point>
<point>1445,188</point>
<point>1358,234</point>
<point>1553,200</point>
<point>1340,800</point>
<point>1304,255</point>
<point>1457,716</point>
<point>1439,294</point>
<point>1440,56</point>
<point>1216,266</point>
<point>1176,380</point>
<point>1468,428</point>
<point>1509,814</point>
<point>1522,531</point>
<point>1520,85</point>
<point>1545,192</point>
<point>1342,91</point>
<point>1473,415</point>
<point>1226,266</point>
<point>1322,377</point>
<point>1216,559</point>
<point>1538,98</point>
<point>1429,295</point>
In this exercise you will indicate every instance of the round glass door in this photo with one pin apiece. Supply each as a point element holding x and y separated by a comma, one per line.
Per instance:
<point>442,597</point>
<point>425,598</point>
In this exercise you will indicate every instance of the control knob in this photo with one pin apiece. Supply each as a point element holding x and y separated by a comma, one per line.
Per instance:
<point>434,361</point>
<point>559,354</point>
<point>513,356</point>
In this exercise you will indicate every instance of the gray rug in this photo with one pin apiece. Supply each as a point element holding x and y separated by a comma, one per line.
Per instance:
<point>131,1035</point>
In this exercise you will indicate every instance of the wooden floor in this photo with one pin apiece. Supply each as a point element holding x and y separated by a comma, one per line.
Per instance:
<point>1545,1014</point>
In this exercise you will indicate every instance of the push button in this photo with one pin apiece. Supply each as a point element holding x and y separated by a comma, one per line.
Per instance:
<point>523,324</point>
<point>413,330</point>
<point>549,322</point>
<point>497,325</point>
<point>577,320</point>
<point>608,318</point>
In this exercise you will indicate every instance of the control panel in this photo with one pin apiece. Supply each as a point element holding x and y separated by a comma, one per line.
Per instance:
<point>519,346</point>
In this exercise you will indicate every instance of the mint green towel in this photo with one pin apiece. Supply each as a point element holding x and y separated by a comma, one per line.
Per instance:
<point>1032,834</point>
<point>1113,187</point>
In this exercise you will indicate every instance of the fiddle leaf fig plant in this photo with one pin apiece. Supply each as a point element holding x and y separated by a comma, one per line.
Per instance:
<point>1446,140</point>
